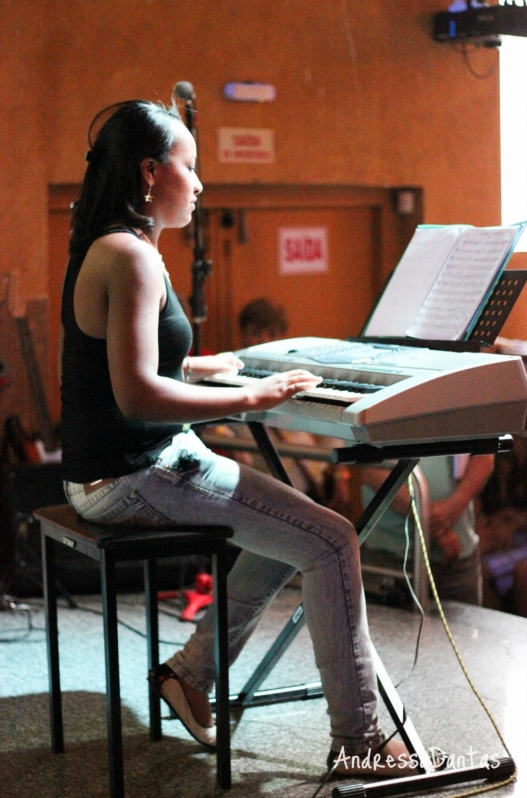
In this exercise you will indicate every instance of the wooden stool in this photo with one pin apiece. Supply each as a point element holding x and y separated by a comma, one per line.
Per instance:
<point>109,545</point>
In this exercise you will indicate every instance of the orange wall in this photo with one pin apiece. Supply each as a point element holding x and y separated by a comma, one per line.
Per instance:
<point>365,97</point>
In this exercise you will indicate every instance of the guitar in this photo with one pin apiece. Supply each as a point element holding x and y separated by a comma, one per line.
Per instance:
<point>46,428</point>
<point>46,431</point>
<point>22,444</point>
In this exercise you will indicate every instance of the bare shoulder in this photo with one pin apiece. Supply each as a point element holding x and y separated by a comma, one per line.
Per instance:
<point>121,257</point>
<point>119,272</point>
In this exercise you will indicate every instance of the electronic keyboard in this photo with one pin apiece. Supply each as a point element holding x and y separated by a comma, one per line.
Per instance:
<point>384,394</point>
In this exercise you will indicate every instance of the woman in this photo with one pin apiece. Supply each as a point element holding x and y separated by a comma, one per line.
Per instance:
<point>128,397</point>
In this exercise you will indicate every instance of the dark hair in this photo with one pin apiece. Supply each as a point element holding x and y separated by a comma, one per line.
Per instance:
<point>263,314</point>
<point>112,191</point>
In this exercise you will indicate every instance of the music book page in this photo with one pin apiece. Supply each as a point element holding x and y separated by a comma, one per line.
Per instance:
<point>464,283</point>
<point>412,280</point>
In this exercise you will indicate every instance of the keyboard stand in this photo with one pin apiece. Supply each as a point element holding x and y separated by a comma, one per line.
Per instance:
<point>408,456</point>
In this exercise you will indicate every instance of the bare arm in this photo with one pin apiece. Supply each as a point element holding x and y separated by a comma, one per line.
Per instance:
<point>445,512</point>
<point>135,289</point>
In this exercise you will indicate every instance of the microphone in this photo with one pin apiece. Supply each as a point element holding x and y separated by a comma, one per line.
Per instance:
<point>184,91</point>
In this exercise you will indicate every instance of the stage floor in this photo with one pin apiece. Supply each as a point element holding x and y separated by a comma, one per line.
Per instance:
<point>278,750</point>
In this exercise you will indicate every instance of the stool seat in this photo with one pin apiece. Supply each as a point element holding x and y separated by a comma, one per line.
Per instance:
<point>109,544</point>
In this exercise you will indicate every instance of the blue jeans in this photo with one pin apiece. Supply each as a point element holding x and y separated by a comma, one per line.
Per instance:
<point>280,531</point>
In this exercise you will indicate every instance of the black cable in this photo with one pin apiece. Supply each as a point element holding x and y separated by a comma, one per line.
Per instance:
<point>8,604</point>
<point>325,780</point>
<point>24,637</point>
<point>412,591</point>
<point>480,76</point>
<point>127,626</point>
<point>85,609</point>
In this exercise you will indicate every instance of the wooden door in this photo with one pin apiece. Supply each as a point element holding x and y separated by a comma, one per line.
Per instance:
<point>248,264</point>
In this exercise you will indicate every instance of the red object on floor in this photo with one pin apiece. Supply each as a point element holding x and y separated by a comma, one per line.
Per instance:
<point>198,598</point>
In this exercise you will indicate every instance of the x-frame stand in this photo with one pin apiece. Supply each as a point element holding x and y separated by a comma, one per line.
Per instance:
<point>408,456</point>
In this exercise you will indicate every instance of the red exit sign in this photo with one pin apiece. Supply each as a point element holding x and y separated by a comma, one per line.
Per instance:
<point>302,250</point>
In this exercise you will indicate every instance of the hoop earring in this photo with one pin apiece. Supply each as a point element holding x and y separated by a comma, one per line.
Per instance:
<point>149,197</point>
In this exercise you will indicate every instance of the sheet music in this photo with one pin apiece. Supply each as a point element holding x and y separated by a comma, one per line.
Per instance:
<point>463,284</point>
<point>412,280</point>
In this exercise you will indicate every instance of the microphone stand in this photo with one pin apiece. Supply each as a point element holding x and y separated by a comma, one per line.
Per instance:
<point>201,269</point>
<point>201,266</point>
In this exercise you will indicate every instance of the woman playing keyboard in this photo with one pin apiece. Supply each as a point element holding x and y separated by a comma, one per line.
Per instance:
<point>129,454</point>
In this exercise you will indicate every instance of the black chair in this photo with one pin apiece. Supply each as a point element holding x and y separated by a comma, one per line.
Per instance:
<point>109,545</point>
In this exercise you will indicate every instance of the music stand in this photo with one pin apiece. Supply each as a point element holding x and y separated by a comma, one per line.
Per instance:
<point>486,328</point>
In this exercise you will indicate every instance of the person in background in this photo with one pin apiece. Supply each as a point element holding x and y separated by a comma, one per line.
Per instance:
<point>261,321</point>
<point>502,527</point>
<point>502,524</point>
<point>453,485</point>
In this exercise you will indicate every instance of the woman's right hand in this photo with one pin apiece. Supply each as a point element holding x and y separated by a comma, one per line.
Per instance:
<point>271,391</point>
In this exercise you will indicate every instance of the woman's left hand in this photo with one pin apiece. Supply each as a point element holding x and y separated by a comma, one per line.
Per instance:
<point>224,363</point>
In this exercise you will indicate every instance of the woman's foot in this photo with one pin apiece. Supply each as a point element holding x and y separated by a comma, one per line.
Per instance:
<point>188,704</point>
<point>390,761</point>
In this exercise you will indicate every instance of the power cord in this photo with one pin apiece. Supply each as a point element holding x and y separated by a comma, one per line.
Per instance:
<point>129,627</point>
<point>414,597</point>
<point>415,514</point>
<point>10,604</point>
<point>511,779</point>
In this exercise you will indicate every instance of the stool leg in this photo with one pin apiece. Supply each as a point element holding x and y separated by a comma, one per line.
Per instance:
<point>113,694</point>
<point>221,667</point>
<point>52,641</point>
<point>152,635</point>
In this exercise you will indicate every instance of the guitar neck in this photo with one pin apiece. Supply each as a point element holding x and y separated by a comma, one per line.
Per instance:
<point>37,389</point>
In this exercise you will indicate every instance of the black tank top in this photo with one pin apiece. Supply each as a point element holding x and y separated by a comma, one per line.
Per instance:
<point>97,440</point>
